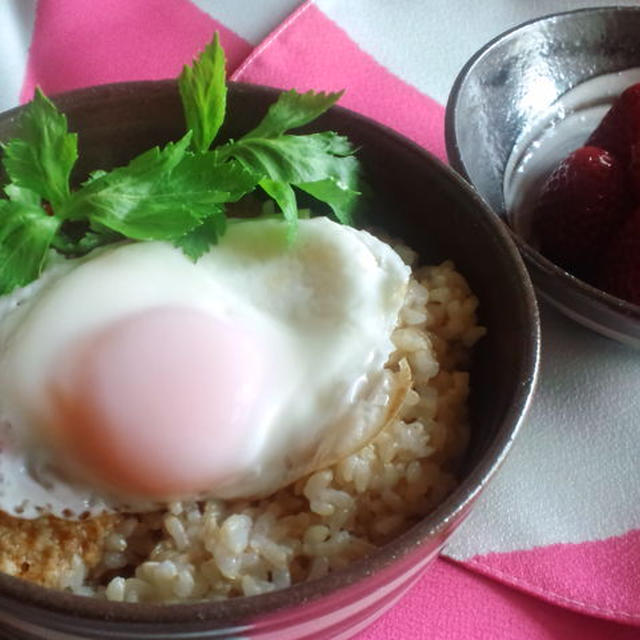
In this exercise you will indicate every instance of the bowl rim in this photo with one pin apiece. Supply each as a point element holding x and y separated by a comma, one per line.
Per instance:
<point>438,523</point>
<point>578,286</point>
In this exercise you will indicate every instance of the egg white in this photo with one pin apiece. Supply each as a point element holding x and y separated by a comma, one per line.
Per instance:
<point>325,307</point>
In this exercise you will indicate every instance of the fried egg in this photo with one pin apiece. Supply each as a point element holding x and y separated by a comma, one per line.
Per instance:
<point>134,376</point>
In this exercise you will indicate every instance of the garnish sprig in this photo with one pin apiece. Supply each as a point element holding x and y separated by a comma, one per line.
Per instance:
<point>178,193</point>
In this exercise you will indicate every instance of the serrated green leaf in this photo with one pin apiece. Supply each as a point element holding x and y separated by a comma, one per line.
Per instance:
<point>25,237</point>
<point>94,175</point>
<point>297,159</point>
<point>226,182</point>
<point>341,199</point>
<point>285,198</point>
<point>137,200</point>
<point>177,193</point>
<point>133,200</point>
<point>20,194</point>
<point>320,164</point>
<point>199,240</point>
<point>161,195</point>
<point>76,239</point>
<point>203,91</point>
<point>42,156</point>
<point>292,110</point>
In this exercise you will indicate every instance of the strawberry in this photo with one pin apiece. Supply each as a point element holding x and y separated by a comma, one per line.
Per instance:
<point>580,205</point>
<point>620,127</point>
<point>619,269</point>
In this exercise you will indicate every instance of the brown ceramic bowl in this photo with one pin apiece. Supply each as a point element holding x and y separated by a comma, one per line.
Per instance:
<point>416,198</point>
<point>508,95</point>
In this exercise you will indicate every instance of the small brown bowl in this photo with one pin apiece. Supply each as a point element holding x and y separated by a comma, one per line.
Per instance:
<point>417,198</point>
<point>510,91</point>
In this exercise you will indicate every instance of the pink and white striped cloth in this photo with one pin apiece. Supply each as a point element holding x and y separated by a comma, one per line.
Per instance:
<point>552,550</point>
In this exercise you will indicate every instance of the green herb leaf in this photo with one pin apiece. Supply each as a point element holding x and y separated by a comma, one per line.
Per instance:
<point>204,95</point>
<point>177,193</point>
<point>136,200</point>
<point>198,241</point>
<point>297,159</point>
<point>319,164</point>
<point>20,194</point>
<point>234,182</point>
<point>161,195</point>
<point>94,175</point>
<point>42,157</point>
<point>77,239</point>
<point>292,110</point>
<point>26,233</point>
<point>284,196</point>
<point>339,197</point>
<point>204,180</point>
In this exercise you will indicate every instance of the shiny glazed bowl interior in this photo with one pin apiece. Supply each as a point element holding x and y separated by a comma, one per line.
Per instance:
<point>415,197</point>
<point>506,90</point>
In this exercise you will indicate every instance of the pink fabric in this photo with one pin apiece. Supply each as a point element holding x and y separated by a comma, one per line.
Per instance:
<point>309,51</point>
<point>449,603</point>
<point>78,43</point>
<point>564,574</point>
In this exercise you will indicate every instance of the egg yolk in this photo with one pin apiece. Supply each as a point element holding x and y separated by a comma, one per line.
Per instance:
<point>161,403</point>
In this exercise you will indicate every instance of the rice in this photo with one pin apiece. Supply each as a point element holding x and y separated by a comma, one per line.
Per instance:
<point>222,549</point>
